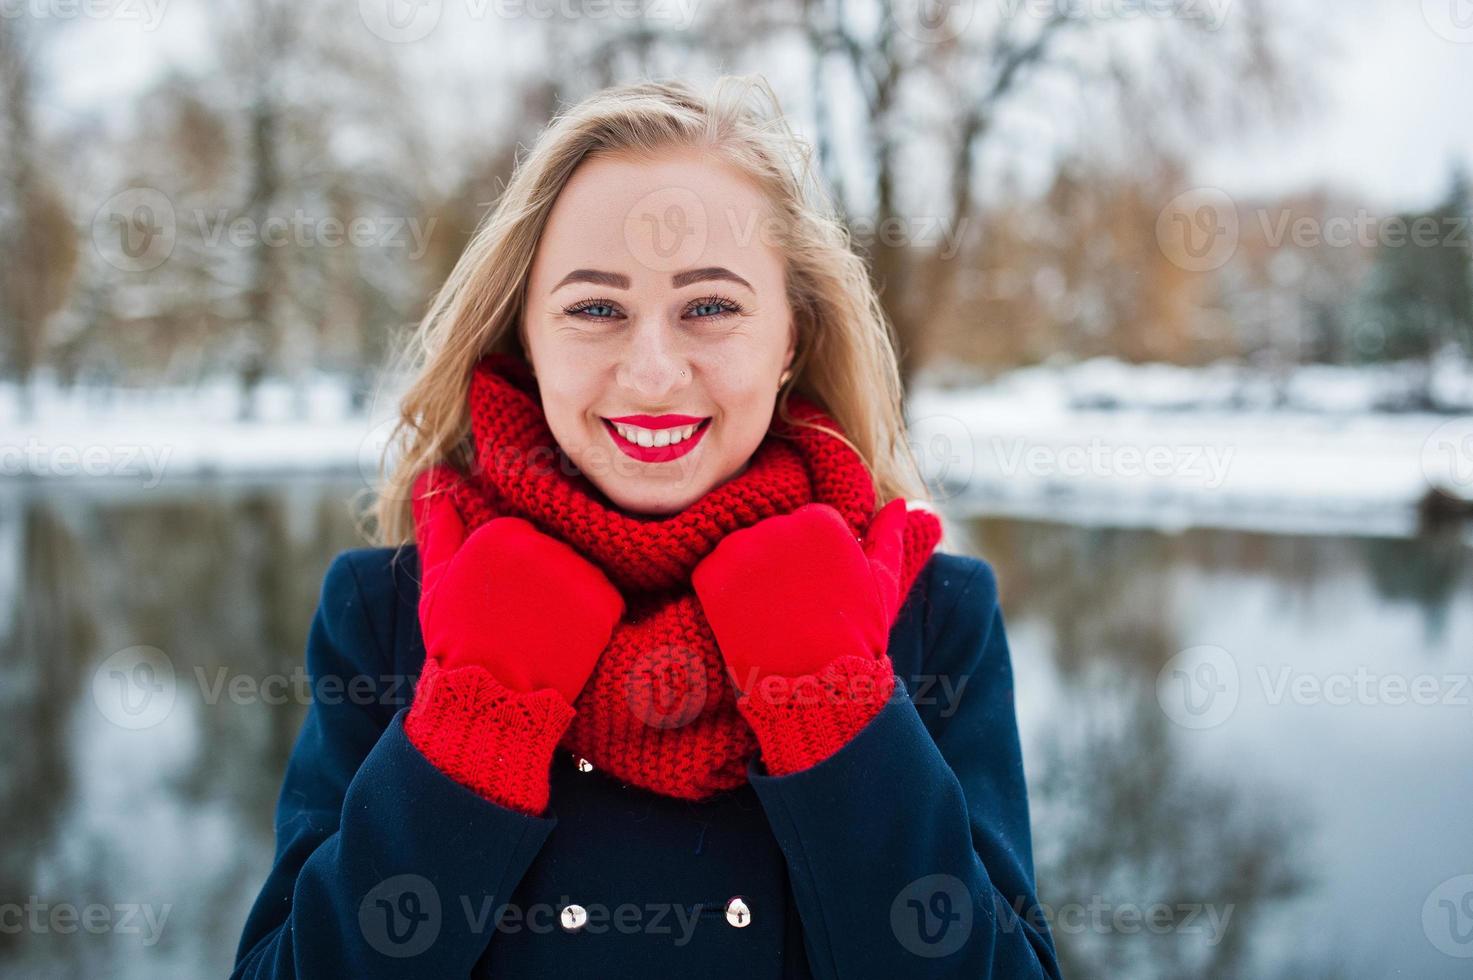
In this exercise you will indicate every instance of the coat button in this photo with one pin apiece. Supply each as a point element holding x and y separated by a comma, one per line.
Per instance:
<point>573,917</point>
<point>584,765</point>
<point>737,913</point>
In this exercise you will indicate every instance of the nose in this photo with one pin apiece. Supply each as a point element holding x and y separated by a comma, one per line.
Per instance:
<point>652,366</point>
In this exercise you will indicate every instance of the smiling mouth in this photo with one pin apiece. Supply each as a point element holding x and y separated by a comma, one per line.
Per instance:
<point>652,453</point>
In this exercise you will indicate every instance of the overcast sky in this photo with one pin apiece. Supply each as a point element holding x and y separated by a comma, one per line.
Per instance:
<point>1395,77</point>
<point>1397,91</point>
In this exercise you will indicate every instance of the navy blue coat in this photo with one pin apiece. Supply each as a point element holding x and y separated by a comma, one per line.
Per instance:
<point>906,854</point>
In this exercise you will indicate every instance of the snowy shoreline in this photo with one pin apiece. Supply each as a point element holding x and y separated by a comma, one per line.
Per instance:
<point>1099,442</point>
<point>1187,447</point>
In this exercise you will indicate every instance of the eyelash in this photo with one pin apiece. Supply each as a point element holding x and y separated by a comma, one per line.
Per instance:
<point>730,307</point>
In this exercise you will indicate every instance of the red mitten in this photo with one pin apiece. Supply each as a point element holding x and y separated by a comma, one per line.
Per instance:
<point>514,622</point>
<point>802,613</point>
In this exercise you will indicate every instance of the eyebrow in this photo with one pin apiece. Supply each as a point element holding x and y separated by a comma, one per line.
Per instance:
<point>618,280</point>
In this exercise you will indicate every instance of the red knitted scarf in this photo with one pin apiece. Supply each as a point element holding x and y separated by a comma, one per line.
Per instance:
<point>659,711</point>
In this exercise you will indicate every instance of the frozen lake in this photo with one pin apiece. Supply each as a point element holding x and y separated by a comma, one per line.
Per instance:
<point>1248,752</point>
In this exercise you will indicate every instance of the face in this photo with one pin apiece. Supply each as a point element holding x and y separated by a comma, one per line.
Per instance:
<point>657,322</point>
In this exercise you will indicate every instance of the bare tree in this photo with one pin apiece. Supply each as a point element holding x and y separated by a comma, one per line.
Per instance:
<point>301,135</point>
<point>38,249</point>
<point>935,77</point>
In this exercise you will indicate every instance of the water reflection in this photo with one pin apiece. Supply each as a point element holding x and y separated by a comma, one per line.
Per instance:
<point>1291,839</point>
<point>1429,572</point>
<point>48,625</point>
<point>1128,824</point>
<point>1319,824</point>
<point>172,820</point>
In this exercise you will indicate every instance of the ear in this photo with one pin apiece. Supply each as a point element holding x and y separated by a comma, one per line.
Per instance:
<point>792,345</point>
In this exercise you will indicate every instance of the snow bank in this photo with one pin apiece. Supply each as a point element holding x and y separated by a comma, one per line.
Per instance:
<point>1098,442</point>
<point>1160,445</point>
<point>150,435</point>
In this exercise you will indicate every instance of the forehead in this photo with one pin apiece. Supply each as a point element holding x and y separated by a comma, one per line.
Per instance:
<point>649,217</point>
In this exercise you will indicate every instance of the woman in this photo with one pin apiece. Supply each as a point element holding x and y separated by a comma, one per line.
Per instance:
<point>662,582</point>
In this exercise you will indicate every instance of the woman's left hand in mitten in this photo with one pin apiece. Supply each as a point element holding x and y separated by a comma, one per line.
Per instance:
<point>802,613</point>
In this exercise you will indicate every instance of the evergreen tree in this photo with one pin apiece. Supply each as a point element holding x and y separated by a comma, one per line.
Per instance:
<point>1421,289</point>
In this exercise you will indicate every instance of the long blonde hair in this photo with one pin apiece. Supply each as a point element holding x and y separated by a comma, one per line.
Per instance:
<point>844,358</point>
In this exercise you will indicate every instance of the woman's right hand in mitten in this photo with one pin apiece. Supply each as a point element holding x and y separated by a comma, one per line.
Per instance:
<point>514,622</point>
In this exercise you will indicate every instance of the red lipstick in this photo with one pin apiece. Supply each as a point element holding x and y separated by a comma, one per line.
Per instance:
<point>658,421</point>
<point>657,454</point>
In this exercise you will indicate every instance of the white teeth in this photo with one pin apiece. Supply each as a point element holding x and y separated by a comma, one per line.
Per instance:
<point>655,437</point>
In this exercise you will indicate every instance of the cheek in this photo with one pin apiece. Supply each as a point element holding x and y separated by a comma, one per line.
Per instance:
<point>748,410</point>
<point>567,390</point>
<point>570,413</point>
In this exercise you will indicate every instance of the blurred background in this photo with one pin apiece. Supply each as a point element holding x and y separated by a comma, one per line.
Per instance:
<point>1184,290</point>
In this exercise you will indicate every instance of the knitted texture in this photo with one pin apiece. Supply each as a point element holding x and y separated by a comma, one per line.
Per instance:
<point>658,712</point>
<point>487,737</point>
<point>801,721</point>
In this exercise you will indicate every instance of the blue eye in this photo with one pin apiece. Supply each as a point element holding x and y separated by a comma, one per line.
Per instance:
<point>713,306</point>
<point>592,308</point>
<point>707,308</point>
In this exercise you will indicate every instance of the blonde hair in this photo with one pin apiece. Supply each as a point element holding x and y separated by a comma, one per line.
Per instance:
<point>844,358</point>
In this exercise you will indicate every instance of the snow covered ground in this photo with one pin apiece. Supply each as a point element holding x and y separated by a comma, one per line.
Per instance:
<point>1162,446</point>
<point>1311,450</point>
<point>149,436</point>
